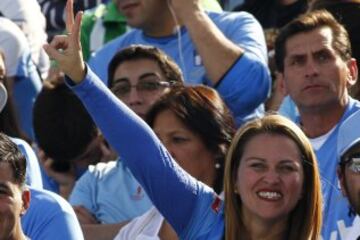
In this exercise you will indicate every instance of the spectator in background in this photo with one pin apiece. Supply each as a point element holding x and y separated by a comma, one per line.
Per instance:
<point>235,38</point>
<point>105,22</point>
<point>9,125</point>
<point>15,197</point>
<point>28,16</point>
<point>49,216</point>
<point>54,13</point>
<point>67,137</point>
<point>108,194</point>
<point>313,57</point>
<point>348,152</point>
<point>22,76</point>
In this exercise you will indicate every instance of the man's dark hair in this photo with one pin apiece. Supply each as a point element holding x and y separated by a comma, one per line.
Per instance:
<point>169,68</point>
<point>306,23</point>
<point>10,153</point>
<point>63,128</point>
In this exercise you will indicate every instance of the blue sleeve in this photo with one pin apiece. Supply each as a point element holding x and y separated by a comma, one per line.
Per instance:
<point>170,188</point>
<point>84,191</point>
<point>50,217</point>
<point>245,86</point>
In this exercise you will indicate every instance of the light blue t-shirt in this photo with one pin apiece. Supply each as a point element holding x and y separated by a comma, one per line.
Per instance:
<point>110,192</point>
<point>253,80</point>
<point>50,217</point>
<point>336,220</point>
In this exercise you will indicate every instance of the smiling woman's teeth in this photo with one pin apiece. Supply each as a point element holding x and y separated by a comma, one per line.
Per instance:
<point>269,195</point>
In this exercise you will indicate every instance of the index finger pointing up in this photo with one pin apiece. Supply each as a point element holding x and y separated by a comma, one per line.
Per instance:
<point>69,16</point>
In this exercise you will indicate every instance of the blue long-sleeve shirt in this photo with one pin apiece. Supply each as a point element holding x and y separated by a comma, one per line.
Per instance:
<point>191,207</point>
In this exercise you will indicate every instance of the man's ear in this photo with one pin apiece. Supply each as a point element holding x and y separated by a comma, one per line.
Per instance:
<point>342,181</point>
<point>352,74</point>
<point>26,195</point>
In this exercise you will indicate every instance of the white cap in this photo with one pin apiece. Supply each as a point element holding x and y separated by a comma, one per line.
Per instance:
<point>3,96</point>
<point>349,134</point>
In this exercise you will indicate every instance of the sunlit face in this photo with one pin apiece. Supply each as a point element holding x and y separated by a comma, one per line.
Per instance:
<point>269,178</point>
<point>134,73</point>
<point>185,147</point>
<point>13,202</point>
<point>314,74</point>
<point>142,13</point>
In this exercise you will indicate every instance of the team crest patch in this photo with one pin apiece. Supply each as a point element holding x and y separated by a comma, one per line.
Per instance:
<point>139,194</point>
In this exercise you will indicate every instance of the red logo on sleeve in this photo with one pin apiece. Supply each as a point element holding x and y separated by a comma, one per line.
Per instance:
<point>216,204</point>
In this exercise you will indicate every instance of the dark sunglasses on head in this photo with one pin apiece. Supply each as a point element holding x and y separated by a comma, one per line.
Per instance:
<point>352,162</point>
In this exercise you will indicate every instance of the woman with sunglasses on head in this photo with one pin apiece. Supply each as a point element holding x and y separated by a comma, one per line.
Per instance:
<point>272,184</point>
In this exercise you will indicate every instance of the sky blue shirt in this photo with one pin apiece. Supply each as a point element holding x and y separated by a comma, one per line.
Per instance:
<point>110,192</point>
<point>336,220</point>
<point>50,217</point>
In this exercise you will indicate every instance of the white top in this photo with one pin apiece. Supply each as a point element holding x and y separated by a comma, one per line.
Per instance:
<point>354,233</point>
<point>319,141</point>
<point>144,227</point>
<point>28,16</point>
<point>13,44</point>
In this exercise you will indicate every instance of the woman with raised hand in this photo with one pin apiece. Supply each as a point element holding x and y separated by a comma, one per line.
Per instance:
<point>196,128</point>
<point>272,184</point>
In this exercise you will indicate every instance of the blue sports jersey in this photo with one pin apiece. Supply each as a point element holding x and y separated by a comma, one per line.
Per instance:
<point>336,220</point>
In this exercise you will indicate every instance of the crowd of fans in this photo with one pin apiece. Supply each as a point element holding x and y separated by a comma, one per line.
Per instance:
<point>174,119</point>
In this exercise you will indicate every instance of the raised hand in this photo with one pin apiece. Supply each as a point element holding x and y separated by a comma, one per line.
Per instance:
<point>66,49</point>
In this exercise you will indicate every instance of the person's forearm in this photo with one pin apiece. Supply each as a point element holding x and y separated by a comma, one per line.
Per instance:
<point>217,52</point>
<point>101,231</point>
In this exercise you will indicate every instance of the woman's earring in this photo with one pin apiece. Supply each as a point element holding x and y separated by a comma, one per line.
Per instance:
<point>217,165</point>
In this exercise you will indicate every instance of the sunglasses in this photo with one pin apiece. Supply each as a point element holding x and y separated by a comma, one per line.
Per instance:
<point>143,87</point>
<point>352,162</point>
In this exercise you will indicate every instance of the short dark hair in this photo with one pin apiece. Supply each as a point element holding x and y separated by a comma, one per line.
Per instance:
<point>203,111</point>
<point>138,52</point>
<point>63,128</point>
<point>306,23</point>
<point>10,153</point>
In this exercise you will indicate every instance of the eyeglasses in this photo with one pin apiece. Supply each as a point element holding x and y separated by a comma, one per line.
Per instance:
<point>123,88</point>
<point>353,163</point>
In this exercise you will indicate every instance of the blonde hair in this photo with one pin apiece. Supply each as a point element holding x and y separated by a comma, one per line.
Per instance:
<point>306,218</point>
